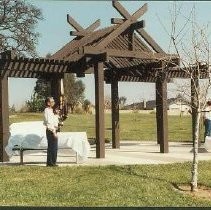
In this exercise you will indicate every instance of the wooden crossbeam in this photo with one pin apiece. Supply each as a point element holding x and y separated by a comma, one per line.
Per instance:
<point>121,9</point>
<point>74,24</point>
<point>132,76</point>
<point>129,54</point>
<point>20,65</point>
<point>151,72</point>
<point>135,26</point>
<point>72,46</point>
<point>26,74</point>
<point>139,12</point>
<point>138,25</point>
<point>93,26</point>
<point>114,34</point>
<point>117,20</point>
<point>80,31</point>
<point>141,32</point>
<point>150,40</point>
<point>126,14</point>
<point>122,27</point>
<point>78,27</point>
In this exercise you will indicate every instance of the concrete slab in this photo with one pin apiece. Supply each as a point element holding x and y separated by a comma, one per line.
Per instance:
<point>130,153</point>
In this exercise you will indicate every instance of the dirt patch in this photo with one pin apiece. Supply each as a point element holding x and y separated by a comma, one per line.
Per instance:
<point>203,192</point>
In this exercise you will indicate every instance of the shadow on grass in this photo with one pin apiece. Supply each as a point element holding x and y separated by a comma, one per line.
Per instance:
<point>128,170</point>
<point>10,164</point>
<point>58,162</point>
<point>35,163</point>
<point>177,187</point>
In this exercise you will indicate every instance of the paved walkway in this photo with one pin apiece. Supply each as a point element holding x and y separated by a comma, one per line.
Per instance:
<point>130,152</point>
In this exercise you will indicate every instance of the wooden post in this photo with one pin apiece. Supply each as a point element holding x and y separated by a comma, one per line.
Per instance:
<point>157,112</point>
<point>56,88</point>
<point>4,118</point>
<point>161,114</point>
<point>99,110</point>
<point>21,157</point>
<point>115,113</point>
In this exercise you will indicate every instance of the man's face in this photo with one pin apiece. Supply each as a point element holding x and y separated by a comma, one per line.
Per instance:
<point>51,103</point>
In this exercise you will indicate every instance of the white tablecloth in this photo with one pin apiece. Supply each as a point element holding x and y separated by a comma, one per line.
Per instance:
<point>33,135</point>
<point>207,143</point>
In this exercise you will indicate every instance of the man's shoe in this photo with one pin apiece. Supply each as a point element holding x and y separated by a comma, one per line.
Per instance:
<point>55,165</point>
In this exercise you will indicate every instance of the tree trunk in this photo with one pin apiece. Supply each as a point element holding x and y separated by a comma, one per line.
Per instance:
<point>194,180</point>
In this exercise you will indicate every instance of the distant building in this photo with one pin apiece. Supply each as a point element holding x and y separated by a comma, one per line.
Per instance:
<point>179,107</point>
<point>178,104</point>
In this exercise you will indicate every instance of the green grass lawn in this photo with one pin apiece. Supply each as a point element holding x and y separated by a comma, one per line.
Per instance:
<point>133,126</point>
<point>138,185</point>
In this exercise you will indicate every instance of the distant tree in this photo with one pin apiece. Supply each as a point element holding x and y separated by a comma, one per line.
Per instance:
<point>86,105</point>
<point>42,88</point>
<point>12,109</point>
<point>74,91</point>
<point>107,102</point>
<point>40,93</point>
<point>18,19</point>
<point>48,55</point>
<point>122,101</point>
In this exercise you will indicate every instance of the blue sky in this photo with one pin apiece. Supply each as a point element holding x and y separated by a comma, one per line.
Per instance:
<point>54,31</point>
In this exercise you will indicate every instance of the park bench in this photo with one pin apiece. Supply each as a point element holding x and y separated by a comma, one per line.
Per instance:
<point>21,150</point>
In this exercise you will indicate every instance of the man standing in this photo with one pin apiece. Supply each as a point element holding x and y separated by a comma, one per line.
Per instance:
<point>49,122</point>
<point>207,120</point>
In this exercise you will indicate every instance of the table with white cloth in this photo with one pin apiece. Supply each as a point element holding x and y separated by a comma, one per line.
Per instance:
<point>32,135</point>
<point>207,143</point>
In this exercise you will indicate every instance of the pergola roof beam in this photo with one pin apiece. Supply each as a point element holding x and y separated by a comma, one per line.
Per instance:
<point>126,14</point>
<point>117,20</point>
<point>114,34</point>
<point>141,32</point>
<point>121,9</point>
<point>79,33</point>
<point>74,24</point>
<point>140,12</point>
<point>31,65</point>
<point>130,20</point>
<point>129,54</point>
<point>135,26</point>
<point>93,26</point>
<point>149,40</point>
<point>87,31</point>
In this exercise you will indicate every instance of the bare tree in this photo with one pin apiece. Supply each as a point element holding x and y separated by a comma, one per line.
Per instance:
<point>18,19</point>
<point>190,41</point>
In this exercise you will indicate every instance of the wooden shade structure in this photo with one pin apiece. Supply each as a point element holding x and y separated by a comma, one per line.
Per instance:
<point>121,52</point>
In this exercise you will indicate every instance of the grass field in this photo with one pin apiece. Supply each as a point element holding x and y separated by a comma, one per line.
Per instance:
<point>133,126</point>
<point>138,185</point>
